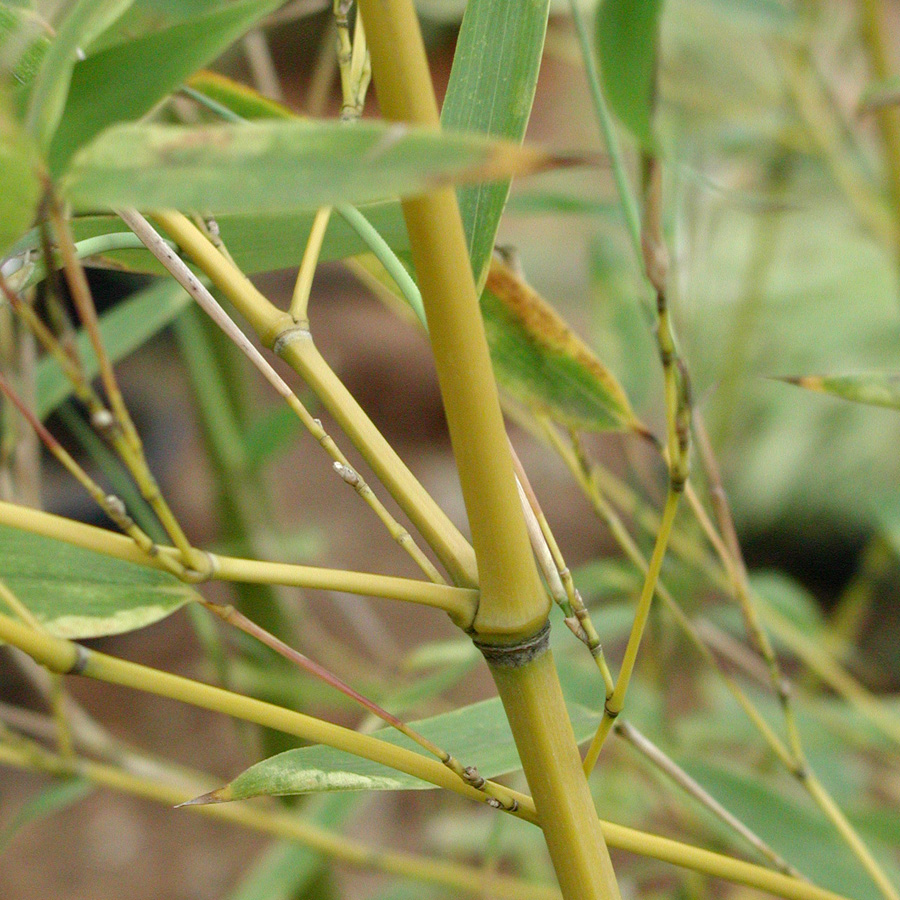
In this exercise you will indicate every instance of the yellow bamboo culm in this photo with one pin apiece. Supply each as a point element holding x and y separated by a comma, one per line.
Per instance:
<point>512,614</point>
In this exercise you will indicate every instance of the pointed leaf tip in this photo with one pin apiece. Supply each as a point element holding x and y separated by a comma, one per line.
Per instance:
<point>220,795</point>
<point>869,388</point>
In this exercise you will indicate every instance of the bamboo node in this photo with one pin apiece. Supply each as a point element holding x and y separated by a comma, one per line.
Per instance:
<point>471,776</point>
<point>82,657</point>
<point>289,334</point>
<point>347,473</point>
<point>514,656</point>
<point>194,575</point>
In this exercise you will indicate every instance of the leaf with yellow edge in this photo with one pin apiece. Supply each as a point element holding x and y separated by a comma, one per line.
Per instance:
<point>870,388</point>
<point>477,733</point>
<point>543,364</point>
<point>238,98</point>
<point>76,593</point>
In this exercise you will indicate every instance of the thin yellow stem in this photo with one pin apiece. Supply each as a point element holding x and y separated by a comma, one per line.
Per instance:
<point>210,305</point>
<point>134,454</point>
<point>667,765</point>
<point>558,575</point>
<point>469,774</point>
<point>109,503</point>
<point>276,329</point>
<point>580,469</point>
<point>300,298</point>
<point>733,561</point>
<point>291,828</point>
<point>616,702</point>
<point>65,657</point>
<point>62,656</point>
<point>458,603</point>
<point>282,825</point>
<point>851,837</point>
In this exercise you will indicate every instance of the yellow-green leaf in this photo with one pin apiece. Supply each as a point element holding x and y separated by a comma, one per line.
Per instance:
<point>543,364</point>
<point>871,388</point>
<point>20,187</point>
<point>75,593</point>
<point>478,733</point>
<point>281,165</point>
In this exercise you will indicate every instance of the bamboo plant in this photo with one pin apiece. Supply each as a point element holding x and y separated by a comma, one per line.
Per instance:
<point>122,149</point>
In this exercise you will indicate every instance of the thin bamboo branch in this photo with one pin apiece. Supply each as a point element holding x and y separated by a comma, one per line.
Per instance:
<point>664,763</point>
<point>300,298</point>
<point>580,469</point>
<point>64,656</point>
<point>278,330</point>
<point>468,774</point>
<point>110,504</point>
<point>283,825</point>
<point>208,303</point>
<point>131,448</point>
<point>458,603</point>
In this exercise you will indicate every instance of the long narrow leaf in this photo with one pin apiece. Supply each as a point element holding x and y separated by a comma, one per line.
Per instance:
<point>478,733</point>
<point>281,166</point>
<point>870,388</point>
<point>84,22</point>
<point>52,799</point>
<point>126,80</point>
<point>627,42</point>
<point>76,593</point>
<point>491,91</point>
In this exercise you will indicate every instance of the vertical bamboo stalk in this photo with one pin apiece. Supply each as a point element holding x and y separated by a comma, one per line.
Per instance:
<point>513,610</point>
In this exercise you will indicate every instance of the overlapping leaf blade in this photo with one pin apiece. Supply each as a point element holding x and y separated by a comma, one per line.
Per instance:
<point>541,362</point>
<point>85,20</point>
<point>280,166</point>
<point>491,91</point>
<point>125,81</point>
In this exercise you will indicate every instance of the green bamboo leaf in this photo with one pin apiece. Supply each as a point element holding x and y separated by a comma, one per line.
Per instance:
<point>146,17</point>
<point>270,435</point>
<point>124,81</point>
<point>76,593</point>
<point>491,91</point>
<point>542,363</point>
<point>870,388</point>
<point>627,43</point>
<point>124,328</point>
<point>249,238</point>
<point>281,166</point>
<point>786,820</point>
<point>479,734</point>
<point>52,799</point>
<point>239,99</point>
<point>85,21</point>
<point>23,44</point>
<point>20,187</point>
